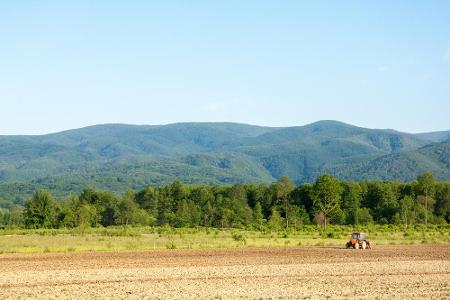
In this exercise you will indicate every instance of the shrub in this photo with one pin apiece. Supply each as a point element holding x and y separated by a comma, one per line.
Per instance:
<point>238,237</point>
<point>171,245</point>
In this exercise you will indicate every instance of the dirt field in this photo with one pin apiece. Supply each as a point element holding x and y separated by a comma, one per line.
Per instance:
<point>384,272</point>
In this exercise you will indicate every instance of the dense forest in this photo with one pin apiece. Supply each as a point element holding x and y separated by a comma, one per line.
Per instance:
<point>279,205</point>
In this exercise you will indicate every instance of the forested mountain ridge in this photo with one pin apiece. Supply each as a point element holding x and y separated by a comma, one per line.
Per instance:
<point>434,158</point>
<point>437,136</point>
<point>118,156</point>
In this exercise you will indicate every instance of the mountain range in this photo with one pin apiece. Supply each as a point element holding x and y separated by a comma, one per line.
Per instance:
<point>118,156</point>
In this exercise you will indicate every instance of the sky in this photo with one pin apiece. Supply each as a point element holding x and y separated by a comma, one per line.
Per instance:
<point>375,64</point>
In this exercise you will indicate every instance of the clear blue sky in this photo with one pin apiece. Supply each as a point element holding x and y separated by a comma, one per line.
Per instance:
<point>376,64</point>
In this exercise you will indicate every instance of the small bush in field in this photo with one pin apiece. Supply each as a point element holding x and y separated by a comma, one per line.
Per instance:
<point>331,235</point>
<point>239,237</point>
<point>171,245</point>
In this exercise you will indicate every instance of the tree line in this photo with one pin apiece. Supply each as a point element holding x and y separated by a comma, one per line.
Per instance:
<point>280,205</point>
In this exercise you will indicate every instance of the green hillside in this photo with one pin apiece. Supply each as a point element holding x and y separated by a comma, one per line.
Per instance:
<point>117,156</point>
<point>299,152</point>
<point>437,136</point>
<point>406,165</point>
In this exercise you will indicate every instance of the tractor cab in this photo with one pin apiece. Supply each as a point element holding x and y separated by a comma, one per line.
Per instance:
<point>358,236</point>
<point>358,241</point>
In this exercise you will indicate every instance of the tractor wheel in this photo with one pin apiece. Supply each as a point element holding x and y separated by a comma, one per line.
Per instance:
<point>364,245</point>
<point>356,245</point>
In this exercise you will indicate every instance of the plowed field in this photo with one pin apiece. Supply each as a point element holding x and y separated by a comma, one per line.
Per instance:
<point>386,272</point>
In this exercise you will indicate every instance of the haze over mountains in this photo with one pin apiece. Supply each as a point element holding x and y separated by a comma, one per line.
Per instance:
<point>117,156</point>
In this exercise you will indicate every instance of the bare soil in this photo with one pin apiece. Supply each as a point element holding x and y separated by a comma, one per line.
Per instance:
<point>414,272</point>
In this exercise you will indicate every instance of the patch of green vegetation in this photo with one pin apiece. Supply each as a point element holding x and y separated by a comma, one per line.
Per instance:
<point>147,238</point>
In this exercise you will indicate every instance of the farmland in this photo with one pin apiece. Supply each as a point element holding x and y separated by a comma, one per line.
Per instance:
<point>113,239</point>
<point>400,271</point>
<point>171,263</point>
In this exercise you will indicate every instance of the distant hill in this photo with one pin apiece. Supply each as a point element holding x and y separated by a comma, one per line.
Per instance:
<point>437,136</point>
<point>405,165</point>
<point>118,156</point>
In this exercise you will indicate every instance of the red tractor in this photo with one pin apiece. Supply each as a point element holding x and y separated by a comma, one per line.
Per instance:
<point>358,241</point>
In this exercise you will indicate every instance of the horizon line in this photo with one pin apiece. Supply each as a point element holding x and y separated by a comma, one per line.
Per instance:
<point>215,122</point>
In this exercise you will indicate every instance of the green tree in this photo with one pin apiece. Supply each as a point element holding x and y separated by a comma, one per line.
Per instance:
<point>282,191</point>
<point>178,191</point>
<point>337,216</point>
<point>426,188</point>
<point>258,215</point>
<point>208,214</point>
<point>297,216</point>
<point>148,199</point>
<point>188,214</point>
<point>262,194</point>
<point>201,195</point>
<point>381,198</point>
<point>237,202</point>
<point>226,217</point>
<point>66,217</point>
<point>351,201</point>
<point>14,217</point>
<point>144,218</point>
<point>442,206</point>
<point>183,215</point>
<point>127,211</point>
<point>196,213</point>
<point>86,215</point>
<point>105,204</point>
<point>275,221</point>
<point>363,216</point>
<point>40,210</point>
<point>302,196</point>
<point>167,204</point>
<point>406,211</point>
<point>67,213</point>
<point>326,195</point>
